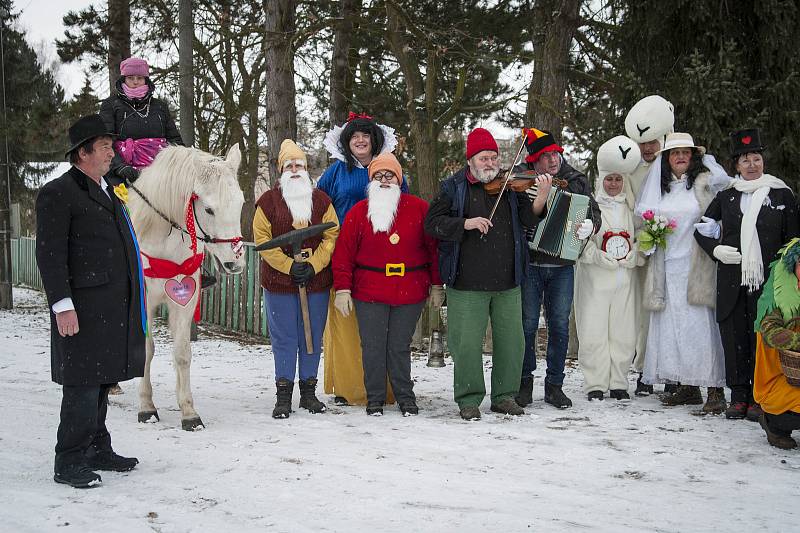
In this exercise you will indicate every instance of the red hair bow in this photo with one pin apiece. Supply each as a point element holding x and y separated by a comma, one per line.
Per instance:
<point>352,116</point>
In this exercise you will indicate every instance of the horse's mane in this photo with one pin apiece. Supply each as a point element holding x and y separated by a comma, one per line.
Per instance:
<point>169,182</point>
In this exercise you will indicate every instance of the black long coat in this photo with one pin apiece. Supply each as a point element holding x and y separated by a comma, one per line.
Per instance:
<point>85,251</point>
<point>148,117</point>
<point>776,224</point>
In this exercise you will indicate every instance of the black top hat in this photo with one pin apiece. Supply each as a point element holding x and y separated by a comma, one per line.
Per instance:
<point>85,129</point>
<point>745,142</point>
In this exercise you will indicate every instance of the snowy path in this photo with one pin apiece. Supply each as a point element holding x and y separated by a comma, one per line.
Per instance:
<point>605,466</point>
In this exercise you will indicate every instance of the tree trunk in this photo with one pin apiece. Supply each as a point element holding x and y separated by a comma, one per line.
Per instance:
<point>119,37</point>
<point>185,70</point>
<point>281,114</point>
<point>556,22</point>
<point>426,148</point>
<point>341,80</point>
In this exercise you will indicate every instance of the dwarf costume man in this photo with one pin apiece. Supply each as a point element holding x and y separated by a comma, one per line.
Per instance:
<point>295,203</point>
<point>385,266</point>
<point>647,123</point>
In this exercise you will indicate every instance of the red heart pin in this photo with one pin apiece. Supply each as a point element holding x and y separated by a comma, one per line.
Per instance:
<point>181,292</point>
<point>746,140</point>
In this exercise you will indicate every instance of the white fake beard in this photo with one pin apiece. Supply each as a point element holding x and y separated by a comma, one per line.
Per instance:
<point>382,205</point>
<point>297,194</point>
<point>484,176</point>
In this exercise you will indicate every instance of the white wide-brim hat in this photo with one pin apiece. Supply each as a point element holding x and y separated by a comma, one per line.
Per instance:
<point>680,140</point>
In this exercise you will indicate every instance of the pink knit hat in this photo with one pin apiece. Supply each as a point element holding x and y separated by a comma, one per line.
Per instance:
<point>134,66</point>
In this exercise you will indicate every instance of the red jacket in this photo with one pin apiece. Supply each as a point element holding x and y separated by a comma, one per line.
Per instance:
<point>358,244</point>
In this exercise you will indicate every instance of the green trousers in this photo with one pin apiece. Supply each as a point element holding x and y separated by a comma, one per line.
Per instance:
<point>467,315</point>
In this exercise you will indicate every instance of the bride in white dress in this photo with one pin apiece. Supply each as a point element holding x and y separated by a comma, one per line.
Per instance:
<point>683,344</point>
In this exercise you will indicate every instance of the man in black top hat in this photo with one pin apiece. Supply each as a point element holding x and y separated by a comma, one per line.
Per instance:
<point>88,257</point>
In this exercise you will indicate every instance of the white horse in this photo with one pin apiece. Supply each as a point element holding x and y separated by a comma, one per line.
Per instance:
<point>182,181</point>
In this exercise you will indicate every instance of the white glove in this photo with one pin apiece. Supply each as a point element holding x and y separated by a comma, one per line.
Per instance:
<point>727,254</point>
<point>606,261</point>
<point>343,302</point>
<point>708,228</point>
<point>437,296</point>
<point>630,260</point>
<point>649,252</point>
<point>585,229</point>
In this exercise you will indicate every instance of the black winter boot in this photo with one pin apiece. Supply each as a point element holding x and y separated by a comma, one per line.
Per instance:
<point>525,395</point>
<point>77,475</point>
<point>308,396</point>
<point>643,389</point>
<point>283,405</point>
<point>555,396</point>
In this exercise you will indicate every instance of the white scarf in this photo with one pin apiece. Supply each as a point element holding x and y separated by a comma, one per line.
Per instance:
<point>752,265</point>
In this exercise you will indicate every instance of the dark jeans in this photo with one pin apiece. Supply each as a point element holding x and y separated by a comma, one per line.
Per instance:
<point>739,344</point>
<point>551,286</point>
<point>784,423</point>
<point>386,332</point>
<point>83,423</point>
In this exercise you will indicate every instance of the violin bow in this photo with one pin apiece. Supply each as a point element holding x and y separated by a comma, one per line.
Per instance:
<point>508,177</point>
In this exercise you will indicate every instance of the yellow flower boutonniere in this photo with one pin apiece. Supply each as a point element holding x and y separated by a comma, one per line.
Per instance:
<point>122,192</point>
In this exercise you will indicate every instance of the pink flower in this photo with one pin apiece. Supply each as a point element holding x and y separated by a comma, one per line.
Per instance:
<point>648,215</point>
<point>672,224</point>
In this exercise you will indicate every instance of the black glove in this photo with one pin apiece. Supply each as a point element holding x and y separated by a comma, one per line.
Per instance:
<point>301,272</point>
<point>128,173</point>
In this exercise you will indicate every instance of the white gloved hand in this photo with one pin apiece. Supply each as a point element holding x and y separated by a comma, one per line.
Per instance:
<point>585,229</point>
<point>343,302</point>
<point>708,228</point>
<point>630,260</point>
<point>727,254</point>
<point>606,261</point>
<point>437,296</point>
<point>649,252</point>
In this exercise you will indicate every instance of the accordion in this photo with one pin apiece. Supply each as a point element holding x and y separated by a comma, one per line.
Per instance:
<point>556,233</point>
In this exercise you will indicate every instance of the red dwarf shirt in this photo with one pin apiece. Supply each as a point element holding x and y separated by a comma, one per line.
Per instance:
<point>406,242</point>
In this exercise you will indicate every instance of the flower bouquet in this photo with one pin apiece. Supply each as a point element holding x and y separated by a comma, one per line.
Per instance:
<point>656,229</point>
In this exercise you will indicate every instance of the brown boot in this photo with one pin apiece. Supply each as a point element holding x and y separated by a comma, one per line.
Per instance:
<point>784,442</point>
<point>715,404</point>
<point>685,395</point>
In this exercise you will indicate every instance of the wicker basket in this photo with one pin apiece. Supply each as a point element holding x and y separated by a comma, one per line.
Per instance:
<point>790,362</point>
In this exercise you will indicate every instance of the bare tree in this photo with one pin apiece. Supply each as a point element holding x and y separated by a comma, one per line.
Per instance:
<point>118,28</point>
<point>281,118</point>
<point>185,69</point>
<point>341,80</point>
<point>556,24</point>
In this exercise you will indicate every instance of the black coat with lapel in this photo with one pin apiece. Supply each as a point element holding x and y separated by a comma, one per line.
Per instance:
<point>776,224</point>
<point>85,251</point>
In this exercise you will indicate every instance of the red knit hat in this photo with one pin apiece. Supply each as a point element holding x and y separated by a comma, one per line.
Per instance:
<point>538,142</point>
<point>479,140</point>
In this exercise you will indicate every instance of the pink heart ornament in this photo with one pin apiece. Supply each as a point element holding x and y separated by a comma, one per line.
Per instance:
<point>181,292</point>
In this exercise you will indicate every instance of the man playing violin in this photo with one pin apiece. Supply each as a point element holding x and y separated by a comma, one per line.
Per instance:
<point>550,280</point>
<point>482,259</point>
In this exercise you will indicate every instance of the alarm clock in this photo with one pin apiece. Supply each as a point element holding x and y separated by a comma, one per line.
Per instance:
<point>617,244</point>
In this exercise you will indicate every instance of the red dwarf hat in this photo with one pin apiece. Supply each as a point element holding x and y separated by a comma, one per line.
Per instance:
<point>134,66</point>
<point>538,142</point>
<point>479,140</point>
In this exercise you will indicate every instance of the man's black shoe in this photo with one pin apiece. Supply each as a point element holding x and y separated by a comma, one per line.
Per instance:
<point>107,460</point>
<point>595,395</point>
<point>525,395</point>
<point>619,394</point>
<point>207,280</point>
<point>78,475</point>
<point>409,408</point>
<point>555,396</point>
<point>375,408</point>
<point>643,389</point>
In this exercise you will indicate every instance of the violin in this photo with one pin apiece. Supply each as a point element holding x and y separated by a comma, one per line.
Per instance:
<point>518,181</point>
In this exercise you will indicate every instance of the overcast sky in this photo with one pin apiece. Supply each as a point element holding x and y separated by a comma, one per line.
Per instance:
<point>42,22</point>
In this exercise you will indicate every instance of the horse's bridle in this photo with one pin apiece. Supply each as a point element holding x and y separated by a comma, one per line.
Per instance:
<point>206,238</point>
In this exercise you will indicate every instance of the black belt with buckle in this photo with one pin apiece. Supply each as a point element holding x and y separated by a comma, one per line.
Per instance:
<point>394,269</point>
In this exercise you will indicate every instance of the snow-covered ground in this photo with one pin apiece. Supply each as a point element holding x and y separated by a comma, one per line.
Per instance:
<point>604,466</point>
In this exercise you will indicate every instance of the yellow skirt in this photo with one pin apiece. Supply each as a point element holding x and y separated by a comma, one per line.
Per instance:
<point>341,345</point>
